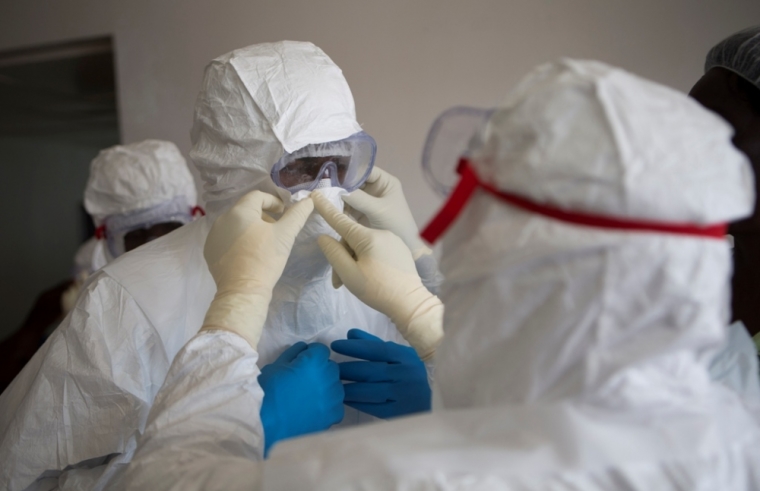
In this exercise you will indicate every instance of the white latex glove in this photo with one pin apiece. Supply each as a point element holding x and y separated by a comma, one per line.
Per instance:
<point>384,206</point>
<point>377,267</point>
<point>382,201</point>
<point>246,252</point>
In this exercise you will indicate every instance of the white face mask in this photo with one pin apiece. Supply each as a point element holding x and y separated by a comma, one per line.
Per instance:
<point>306,260</point>
<point>304,301</point>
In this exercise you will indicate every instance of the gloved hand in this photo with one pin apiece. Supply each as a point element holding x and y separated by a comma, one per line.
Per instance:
<point>393,382</point>
<point>302,393</point>
<point>246,251</point>
<point>377,267</point>
<point>382,202</point>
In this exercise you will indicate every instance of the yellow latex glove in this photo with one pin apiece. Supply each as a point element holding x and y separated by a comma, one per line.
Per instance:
<point>382,201</point>
<point>246,251</point>
<point>377,266</point>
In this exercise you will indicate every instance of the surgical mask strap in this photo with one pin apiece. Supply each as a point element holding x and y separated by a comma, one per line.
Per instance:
<point>469,182</point>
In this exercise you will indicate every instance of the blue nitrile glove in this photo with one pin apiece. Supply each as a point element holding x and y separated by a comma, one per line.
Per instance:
<point>302,393</point>
<point>393,382</point>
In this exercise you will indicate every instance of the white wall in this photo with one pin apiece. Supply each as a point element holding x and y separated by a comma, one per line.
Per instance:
<point>406,60</point>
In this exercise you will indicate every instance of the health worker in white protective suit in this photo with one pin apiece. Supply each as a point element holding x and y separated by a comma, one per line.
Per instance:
<point>74,420</point>
<point>135,193</point>
<point>586,288</point>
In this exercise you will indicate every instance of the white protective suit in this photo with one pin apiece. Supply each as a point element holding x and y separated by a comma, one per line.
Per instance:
<point>148,181</point>
<point>736,365</point>
<point>90,257</point>
<point>125,179</point>
<point>87,392</point>
<point>575,357</point>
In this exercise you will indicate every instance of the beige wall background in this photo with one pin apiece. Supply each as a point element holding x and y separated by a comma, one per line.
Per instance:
<point>405,60</point>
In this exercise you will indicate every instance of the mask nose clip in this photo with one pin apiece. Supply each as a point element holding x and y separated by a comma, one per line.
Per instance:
<point>328,174</point>
<point>324,183</point>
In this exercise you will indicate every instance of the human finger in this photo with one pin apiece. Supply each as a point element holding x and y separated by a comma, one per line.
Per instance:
<point>258,202</point>
<point>372,393</point>
<point>293,220</point>
<point>363,349</point>
<point>290,354</point>
<point>361,334</point>
<point>361,201</point>
<point>314,352</point>
<point>364,371</point>
<point>343,264</point>
<point>346,228</point>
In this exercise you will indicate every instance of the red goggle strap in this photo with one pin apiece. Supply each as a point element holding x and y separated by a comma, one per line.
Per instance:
<point>469,182</point>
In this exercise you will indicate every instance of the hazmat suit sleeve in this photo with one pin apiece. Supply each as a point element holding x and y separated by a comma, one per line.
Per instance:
<point>204,430</point>
<point>98,363</point>
<point>206,416</point>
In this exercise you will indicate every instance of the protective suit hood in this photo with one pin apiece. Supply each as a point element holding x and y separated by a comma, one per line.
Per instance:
<point>133,186</point>
<point>540,310</point>
<point>127,178</point>
<point>258,102</point>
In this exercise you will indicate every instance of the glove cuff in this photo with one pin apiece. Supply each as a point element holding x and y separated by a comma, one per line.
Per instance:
<point>419,249</point>
<point>242,314</point>
<point>423,327</point>
<point>427,268</point>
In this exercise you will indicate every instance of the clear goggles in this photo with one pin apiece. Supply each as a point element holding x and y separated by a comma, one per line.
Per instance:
<point>447,143</point>
<point>115,227</point>
<point>344,163</point>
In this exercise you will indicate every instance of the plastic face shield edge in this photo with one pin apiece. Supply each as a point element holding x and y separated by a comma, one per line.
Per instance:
<point>344,163</point>
<point>176,210</point>
<point>447,142</point>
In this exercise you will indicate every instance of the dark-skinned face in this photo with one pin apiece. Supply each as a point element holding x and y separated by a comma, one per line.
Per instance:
<point>720,91</point>
<point>136,238</point>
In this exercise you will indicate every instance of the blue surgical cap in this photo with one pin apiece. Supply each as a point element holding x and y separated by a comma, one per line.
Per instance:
<point>739,53</point>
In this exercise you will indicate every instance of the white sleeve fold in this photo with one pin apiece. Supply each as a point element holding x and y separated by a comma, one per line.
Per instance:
<point>204,430</point>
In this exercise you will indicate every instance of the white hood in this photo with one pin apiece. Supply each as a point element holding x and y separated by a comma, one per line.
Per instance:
<point>127,178</point>
<point>257,102</point>
<point>539,310</point>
